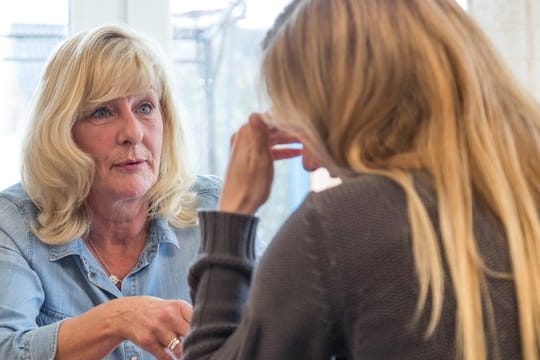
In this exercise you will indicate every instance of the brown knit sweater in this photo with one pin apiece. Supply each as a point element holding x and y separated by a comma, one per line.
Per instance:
<point>338,280</point>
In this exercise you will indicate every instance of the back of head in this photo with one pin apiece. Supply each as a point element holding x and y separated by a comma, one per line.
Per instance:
<point>390,87</point>
<point>380,81</point>
<point>88,69</point>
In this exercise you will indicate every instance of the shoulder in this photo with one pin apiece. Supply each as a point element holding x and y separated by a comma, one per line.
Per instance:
<point>14,201</point>
<point>206,184</point>
<point>363,218</point>
<point>361,194</point>
<point>373,199</point>
<point>14,194</point>
<point>207,189</point>
<point>16,212</point>
<point>353,219</point>
<point>367,208</point>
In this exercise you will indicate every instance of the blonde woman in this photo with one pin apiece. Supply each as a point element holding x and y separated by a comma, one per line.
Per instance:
<point>95,243</point>
<point>430,247</point>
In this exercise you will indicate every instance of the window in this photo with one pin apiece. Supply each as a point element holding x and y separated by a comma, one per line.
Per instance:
<point>216,52</point>
<point>26,40</point>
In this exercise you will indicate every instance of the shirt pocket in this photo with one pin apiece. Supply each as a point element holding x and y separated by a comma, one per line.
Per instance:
<point>48,316</point>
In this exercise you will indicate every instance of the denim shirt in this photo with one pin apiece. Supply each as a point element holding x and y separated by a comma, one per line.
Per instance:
<point>41,285</point>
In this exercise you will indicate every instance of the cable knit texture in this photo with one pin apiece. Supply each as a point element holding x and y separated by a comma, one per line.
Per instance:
<point>337,281</point>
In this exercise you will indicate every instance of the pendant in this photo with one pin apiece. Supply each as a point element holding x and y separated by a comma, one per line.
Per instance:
<point>115,280</point>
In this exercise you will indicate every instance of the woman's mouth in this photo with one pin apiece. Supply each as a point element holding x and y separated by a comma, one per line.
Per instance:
<point>130,164</point>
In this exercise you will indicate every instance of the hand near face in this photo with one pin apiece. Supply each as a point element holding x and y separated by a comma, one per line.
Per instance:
<point>250,171</point>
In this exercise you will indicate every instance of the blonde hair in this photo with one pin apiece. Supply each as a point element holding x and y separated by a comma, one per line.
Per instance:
<point>87,69</point>
<point>391,87</point>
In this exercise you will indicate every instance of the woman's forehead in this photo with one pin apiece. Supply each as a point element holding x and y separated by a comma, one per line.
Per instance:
<point>123,87</point>
<point>149,92</point>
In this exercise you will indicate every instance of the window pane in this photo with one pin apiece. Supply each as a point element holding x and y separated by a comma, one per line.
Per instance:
<point>216,53</point>
<point>26,40</point>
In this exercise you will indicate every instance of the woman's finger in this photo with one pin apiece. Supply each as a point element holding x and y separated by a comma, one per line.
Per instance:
<point>285,153</point>
<point>175,346</point>
<point>249,173</point>
<point>276,136</point>
<point>232,139</point>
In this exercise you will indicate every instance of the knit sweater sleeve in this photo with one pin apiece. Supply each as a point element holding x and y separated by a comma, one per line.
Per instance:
<point>282,313</point>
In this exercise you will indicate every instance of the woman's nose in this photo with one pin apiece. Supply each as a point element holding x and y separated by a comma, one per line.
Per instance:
<point>130,128</point>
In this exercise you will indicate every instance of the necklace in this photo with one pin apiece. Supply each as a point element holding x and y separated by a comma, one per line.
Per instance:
<point>114,278</point>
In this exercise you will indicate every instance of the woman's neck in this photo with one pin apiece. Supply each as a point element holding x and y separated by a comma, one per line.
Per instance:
<point>117,234</point>
<point>118,222</point>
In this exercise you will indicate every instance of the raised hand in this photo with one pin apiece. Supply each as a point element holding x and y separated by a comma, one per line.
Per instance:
<point>250,171</point>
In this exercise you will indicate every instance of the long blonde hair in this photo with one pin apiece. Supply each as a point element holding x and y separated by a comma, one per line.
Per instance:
<point>388,87</point>
<point>87,69</point>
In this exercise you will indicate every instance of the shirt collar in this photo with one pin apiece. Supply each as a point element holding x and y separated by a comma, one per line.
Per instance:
<point>57,252</point>
<point>159,232</point>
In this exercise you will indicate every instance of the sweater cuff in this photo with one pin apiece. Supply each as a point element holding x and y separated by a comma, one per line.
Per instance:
<point>228,234</point>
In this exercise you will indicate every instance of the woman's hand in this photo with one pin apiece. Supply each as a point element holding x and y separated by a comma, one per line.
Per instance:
<point>149,322</point>
<point>250,171</point>
<point>153,323</point>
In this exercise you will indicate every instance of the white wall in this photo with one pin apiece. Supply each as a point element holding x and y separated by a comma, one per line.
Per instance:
<point>514,28</point>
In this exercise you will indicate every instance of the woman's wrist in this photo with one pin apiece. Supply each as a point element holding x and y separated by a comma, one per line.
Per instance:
<point>237,205</point>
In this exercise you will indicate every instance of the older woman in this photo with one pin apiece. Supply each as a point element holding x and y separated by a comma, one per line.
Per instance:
<point>430,247</point>
<point>96,241</point>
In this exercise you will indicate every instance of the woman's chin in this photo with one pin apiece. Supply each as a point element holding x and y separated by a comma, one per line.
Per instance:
<point>127,191</point>
<point>134,192</point>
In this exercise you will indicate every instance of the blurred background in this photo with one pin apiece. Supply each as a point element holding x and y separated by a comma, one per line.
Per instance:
<point>214,49</point>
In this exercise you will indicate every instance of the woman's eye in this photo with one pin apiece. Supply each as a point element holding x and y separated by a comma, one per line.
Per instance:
<point>100,113</point>
<point>146,108</point>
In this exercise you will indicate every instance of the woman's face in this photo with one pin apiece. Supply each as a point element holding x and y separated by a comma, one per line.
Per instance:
<point>124,137</point>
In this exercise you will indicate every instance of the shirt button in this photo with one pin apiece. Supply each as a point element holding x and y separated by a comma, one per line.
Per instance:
<point>134,357</point>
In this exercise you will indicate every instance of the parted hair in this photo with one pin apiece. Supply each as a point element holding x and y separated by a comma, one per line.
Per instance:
<point>395,87</point>
<point>87,69</point>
